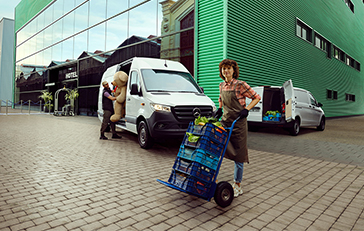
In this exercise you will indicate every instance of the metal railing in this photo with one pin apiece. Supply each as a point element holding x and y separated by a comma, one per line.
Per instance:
<point>29,106</point>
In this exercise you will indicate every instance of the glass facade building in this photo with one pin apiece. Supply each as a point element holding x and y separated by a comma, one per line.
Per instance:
<point>65,43</point>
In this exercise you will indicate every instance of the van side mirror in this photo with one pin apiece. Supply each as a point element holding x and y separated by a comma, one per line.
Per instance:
<point>320,104</point>
<point>134,90</point>
<point>201,88</point>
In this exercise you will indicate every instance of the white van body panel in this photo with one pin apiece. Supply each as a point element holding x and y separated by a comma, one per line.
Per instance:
<point>289,100</point>
<point>256,113</point>
<point>138,107</point>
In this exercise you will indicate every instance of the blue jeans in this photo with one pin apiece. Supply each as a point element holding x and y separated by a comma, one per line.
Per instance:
<point>238,172</point>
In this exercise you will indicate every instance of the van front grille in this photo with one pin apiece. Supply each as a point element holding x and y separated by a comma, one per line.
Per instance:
<point>189,113</point>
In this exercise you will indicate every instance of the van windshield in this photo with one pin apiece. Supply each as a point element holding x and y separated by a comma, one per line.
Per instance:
<point>169,81</point>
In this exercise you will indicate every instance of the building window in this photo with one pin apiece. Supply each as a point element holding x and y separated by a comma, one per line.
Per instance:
<point>339,54</point>
<point>350,61</point>
<point>331,94</point>
<point>350,5</point>
<point>350,97</point>
<point>323,44</point>
<point>303,31</point>
<point>357,65</point>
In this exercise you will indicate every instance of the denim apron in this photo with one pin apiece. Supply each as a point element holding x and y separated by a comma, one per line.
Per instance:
<point>237,149</point>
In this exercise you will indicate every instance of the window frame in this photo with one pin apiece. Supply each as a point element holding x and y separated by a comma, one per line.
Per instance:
<point>323,45</point>
<point>341,54</point>
<point>331,94</point>
<point>300,26</point>
<point>350,61</point>
<point>349,97</point>
<point>349,4</point>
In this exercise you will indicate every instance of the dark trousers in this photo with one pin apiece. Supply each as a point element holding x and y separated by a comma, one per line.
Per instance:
<point>106,121</point>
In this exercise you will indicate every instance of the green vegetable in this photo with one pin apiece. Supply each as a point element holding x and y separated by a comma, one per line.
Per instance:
<point>273,113</point>
<point>203,119</point>
<point>192,138</point>
<point>218,124</point>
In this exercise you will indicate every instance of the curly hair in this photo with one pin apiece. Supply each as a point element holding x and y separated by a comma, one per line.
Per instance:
<point>231,63</point>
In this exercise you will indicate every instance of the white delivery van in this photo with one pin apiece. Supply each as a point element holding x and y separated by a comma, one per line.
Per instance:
<point>162,99</point>
<point>286,106</point>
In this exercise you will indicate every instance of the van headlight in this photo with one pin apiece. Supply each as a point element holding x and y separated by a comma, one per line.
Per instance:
<point>160,107</point>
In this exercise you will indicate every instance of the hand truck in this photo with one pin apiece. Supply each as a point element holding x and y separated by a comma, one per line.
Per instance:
<point>198,163</point>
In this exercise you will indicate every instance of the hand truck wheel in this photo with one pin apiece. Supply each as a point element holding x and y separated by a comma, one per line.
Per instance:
<point>224,194</point>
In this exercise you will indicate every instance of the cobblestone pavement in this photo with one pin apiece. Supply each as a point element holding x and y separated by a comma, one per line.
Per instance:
<point>342,141</point>
<point>55,174</point>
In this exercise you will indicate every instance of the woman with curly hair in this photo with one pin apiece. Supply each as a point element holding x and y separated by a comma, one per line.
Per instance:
<point>232,104</point>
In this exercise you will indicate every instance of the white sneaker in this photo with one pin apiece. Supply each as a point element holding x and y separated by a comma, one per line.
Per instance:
<point>237,190</point>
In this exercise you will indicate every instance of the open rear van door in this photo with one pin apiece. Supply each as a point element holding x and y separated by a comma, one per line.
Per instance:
<point>289,100</point>
<point>256,113</point>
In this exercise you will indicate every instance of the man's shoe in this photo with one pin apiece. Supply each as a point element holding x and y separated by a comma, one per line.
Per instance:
<point>115,136</point>
<point>103,138</point>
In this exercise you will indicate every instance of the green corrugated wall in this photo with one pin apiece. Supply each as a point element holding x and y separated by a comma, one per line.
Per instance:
<point>27,9</point>
<point>261,37</point>
<point>210,44</point>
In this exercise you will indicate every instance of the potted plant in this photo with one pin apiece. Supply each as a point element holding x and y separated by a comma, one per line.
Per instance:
<point>71,96</point>
<point>47,97</point>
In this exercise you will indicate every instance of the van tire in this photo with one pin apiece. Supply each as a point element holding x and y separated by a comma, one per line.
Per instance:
<point>295,129</point>
<point>321,127</point>
<point>144,138</point>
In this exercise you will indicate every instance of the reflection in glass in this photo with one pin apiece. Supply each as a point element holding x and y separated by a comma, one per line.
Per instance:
<point>58,9</point>
<point>116,31</point>
<point>97,11</point>
<point>96,38</point>
<point>67,49</point>
<point>142,20</point>
<point>80,44</point>
<point>57,32</point>
<point>115,7</point>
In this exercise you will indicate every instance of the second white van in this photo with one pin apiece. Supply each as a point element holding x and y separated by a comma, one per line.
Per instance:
<point>286,106</point>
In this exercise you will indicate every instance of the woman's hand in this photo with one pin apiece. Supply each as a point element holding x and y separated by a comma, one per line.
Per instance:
<point>218,113</point>
<point>244,113</point>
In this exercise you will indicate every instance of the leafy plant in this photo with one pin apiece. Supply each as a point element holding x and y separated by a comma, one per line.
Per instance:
<point>72,94</point>
<point>47,97</point>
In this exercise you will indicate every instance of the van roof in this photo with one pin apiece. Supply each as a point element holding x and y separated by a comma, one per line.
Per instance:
<point>154,63</point>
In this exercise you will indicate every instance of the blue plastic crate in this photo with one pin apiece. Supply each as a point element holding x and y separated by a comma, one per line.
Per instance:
<point>209,130</point>
<point>207,144</point>
<point>200,156</point>
<point>189,183</point>
<point>194,169</point>
<point>275,118</point>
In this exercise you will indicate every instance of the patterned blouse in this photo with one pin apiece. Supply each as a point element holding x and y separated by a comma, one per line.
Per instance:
<point>242,90</point>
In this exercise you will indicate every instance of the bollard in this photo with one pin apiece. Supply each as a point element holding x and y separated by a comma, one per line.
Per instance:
<point>21,106</point>
<point>7,101</point>
<point>29,106</point>
<point>40,106</point>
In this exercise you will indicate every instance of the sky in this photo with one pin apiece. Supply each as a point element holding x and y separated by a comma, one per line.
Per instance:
<point>7,8</point>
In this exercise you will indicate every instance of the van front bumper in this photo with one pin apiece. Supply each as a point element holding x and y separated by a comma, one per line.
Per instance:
<point>165,125</point>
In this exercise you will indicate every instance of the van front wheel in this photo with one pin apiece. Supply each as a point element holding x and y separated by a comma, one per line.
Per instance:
<point>295,129</point>
<point>144,138</point>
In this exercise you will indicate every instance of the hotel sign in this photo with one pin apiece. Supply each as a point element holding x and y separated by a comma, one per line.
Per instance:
<point>71,75</point>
